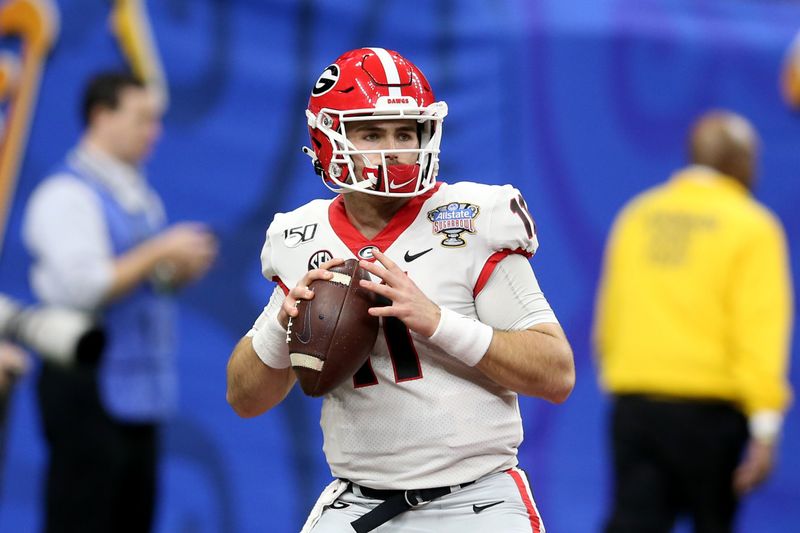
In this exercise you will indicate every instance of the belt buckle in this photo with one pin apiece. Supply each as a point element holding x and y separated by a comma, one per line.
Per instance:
<point>410,495</point>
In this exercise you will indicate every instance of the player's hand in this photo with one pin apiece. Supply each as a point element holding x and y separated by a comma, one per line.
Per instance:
<point>302,292</point>
<point>409,303</point>
<point>759,458</point>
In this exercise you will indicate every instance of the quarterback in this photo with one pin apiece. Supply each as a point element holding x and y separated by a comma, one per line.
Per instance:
<point>425,435</point>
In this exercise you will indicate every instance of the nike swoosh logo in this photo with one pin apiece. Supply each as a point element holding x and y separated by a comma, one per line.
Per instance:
<point>409,257</point>
<point>479,508</point>
<point>393,185</point>
<point>305,337</point>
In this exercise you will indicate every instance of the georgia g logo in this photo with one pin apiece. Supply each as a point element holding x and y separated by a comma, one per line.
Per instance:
<point>326,81</point>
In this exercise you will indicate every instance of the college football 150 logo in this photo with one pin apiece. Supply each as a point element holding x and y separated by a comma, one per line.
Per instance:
<point>452,220</point>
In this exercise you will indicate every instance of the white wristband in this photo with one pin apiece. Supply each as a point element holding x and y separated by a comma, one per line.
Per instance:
<point>765,425</point>
<point>462,337</point>
<point>269,343</point>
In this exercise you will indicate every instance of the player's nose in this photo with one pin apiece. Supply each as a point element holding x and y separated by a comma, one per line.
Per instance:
<point>391,143</point>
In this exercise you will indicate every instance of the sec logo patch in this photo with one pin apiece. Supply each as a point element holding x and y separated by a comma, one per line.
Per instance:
<point>317,258</point>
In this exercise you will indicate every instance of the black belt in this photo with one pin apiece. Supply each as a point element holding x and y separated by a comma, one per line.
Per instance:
<point>396,502</point>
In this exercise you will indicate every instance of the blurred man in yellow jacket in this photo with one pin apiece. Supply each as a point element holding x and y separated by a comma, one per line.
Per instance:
<point>692,330</point>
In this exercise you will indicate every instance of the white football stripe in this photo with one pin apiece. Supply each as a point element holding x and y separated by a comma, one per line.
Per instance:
<point>306,361</point>
<point>338,277</point>
<point>392,76</point>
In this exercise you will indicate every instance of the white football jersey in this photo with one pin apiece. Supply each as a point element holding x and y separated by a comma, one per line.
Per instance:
<point>414,416</point>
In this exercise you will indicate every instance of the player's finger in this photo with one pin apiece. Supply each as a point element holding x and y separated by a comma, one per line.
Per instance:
<point>290,307</point>
<point>382,311</point>
<point>380,288</point>
<point>294,295</point>
<point>301,292</point>
<point>322,272</point>
<point>384,259</point>
<point>317,273</point>
<point>331,263</point>
<point>377,270</point>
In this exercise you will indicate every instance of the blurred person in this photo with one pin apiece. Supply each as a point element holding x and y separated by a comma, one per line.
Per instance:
<point>13,364</point>
<point>692,334</point>
<point>63,336</point>
<point>433,414</point>
<point>96,231</point>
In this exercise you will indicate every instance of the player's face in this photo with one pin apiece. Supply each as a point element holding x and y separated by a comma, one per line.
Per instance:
<point>388,135</point>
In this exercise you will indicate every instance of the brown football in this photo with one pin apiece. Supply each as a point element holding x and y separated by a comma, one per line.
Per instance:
<point>333,334</point>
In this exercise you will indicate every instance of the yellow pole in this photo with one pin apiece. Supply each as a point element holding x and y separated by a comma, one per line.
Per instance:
<point>36,23</point>
<point>130,23</point>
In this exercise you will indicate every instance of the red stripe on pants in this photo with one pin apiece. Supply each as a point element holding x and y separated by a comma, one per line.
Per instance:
<point>526,498</point>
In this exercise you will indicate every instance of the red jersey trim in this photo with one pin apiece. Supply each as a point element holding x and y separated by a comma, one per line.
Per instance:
<point>355,241</point>
<point>491,264</point>
<point>527,499</point>
<point>281,284</point>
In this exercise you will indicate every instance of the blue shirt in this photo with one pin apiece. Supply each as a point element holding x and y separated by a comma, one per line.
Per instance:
<point>85,214</point>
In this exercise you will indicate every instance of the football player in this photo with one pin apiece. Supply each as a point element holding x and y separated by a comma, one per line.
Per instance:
<point>433,415</point>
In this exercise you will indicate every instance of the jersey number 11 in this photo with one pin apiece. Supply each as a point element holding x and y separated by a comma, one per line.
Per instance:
<point>402,352</point>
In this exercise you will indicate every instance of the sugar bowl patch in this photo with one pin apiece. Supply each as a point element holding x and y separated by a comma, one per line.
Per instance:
<point>452,220</point>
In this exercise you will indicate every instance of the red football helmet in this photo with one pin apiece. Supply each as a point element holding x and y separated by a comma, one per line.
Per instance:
<point>373,84</point>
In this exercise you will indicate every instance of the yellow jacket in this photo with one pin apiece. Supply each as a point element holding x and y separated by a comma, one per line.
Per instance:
<point>695,298</point>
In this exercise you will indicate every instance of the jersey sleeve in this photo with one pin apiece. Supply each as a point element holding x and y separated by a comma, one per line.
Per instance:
<point>510,230</point>
<point>512,298</point>
<point>268,268</point>
<point>761,315</point>
<point>511,226</point>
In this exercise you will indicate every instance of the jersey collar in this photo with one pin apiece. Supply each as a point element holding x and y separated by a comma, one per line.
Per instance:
<point>356,242</point>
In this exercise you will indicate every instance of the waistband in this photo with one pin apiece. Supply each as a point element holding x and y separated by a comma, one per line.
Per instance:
<point>395,502</point>
<point>423,494</point>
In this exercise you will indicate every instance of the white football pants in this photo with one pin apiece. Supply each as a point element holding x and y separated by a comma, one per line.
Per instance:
<point>500,502</point>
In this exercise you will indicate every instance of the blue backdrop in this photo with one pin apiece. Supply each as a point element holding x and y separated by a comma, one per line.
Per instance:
<point>580,104</point>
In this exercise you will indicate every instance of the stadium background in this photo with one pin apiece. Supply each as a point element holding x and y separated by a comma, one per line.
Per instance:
<point>580,104</point>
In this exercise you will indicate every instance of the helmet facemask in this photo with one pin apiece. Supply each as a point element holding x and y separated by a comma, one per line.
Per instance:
<point>396,180</point>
